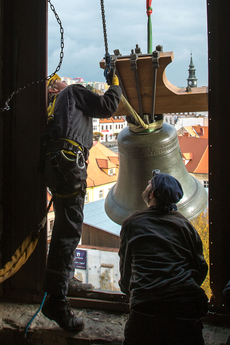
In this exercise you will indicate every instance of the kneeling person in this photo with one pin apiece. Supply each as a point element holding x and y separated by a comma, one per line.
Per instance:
<point>161,268</point>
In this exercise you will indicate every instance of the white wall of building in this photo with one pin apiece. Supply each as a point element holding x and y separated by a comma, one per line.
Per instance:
<point>110,130</point>
<point>102,270</point>
<point>96,125</point>
<point>190,121</point>
<point>97,193</point>
<point>179,120</point>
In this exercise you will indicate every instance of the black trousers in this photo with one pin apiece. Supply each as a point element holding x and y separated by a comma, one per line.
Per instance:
<point>162,329</point>
<point>64,178</point>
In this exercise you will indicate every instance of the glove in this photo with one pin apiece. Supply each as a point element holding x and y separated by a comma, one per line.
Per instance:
<point>112,79</point>
<point>115,80</point>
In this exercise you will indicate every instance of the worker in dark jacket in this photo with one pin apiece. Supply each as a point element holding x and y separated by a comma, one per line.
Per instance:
<point>65,150</point>
<point>161,269</point>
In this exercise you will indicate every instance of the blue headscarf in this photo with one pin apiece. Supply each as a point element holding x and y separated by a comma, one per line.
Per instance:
<point>167,190</point>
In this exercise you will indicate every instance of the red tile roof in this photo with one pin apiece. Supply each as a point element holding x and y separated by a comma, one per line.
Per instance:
<point>105,163</point>
<point>100,157</point>
<point>202,131</point>
<point>49,196</point>
<point>198,131</point>
<point>106,120</point>
<point>112,119</point>
<point>114,159</point>
<point>195,149</point>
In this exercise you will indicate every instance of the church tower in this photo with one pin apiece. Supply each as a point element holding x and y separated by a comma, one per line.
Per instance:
<point>192,80</point>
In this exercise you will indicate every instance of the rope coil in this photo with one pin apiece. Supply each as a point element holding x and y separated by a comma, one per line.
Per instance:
<point>23,252</point>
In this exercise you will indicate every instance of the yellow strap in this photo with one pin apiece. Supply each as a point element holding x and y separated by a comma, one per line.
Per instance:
<point>63,153</point>
<point>72,142</point>
<point>55,76</point>
<point>68,152</point>
<point>64,196</point>
<point>142,126</point>
<point>50,110</point>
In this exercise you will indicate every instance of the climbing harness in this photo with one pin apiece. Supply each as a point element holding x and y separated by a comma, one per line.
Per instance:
<point>67,147</point>
<point>50,110</point>
<point>7,107</point>
<point>23,253</point>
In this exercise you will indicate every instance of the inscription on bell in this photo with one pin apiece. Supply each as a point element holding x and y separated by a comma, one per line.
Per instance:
<point>148,151</point>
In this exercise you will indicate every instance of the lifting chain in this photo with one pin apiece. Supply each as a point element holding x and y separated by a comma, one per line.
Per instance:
<point>107,55</point>
<point>104,27</point>
<point>7,107</point>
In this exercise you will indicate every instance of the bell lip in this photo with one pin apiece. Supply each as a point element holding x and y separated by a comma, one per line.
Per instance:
<point>123,211</point>
<point>200,206</point>
<point>187,212</point>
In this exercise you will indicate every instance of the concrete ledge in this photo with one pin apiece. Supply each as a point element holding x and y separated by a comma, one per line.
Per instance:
<point>101,327</point>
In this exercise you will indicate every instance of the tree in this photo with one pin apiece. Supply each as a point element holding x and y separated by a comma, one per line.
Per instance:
<point>97,135</point>
<point>89,87</point>
<point>202,227</point>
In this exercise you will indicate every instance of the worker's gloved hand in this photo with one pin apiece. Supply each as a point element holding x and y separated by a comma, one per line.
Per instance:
<point>112,79</point>
<point>115,80</point>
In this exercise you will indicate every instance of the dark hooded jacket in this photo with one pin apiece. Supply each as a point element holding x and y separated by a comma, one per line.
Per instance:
<point>161,258</point>
<point>74,109</point>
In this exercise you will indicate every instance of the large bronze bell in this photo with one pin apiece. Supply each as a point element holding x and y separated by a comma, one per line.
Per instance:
<point>139,154</point>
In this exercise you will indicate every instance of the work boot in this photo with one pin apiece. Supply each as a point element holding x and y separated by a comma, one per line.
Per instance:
<point>59,311</point>
<point>76,285</point>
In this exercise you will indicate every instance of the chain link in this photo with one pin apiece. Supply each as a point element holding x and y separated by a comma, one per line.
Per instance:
<point>104,27</point>
<point>7,107</point>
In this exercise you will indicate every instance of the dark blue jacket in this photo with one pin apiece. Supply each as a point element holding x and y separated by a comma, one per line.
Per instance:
<point>74,109</point>
<point>161,257</point>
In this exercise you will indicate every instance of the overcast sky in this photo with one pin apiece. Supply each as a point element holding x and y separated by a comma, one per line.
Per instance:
<point>178,25</point>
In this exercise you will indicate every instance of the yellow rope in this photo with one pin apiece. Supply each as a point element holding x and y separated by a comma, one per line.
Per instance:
<point>141,125</point>
<point>21,255</point>
<point>23,252</point>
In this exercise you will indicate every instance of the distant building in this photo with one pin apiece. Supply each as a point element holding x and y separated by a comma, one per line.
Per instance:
<point>194,131</point>
<point>50,218</point>
<point>100,86</point>
<point>78,80</point>
<point>99,247</point>
<point>67,80</point>
<point>110,128</point>
<point>195,156</point>
<point>192,79</point>
<point>179,120</point>
<point>103,170</point>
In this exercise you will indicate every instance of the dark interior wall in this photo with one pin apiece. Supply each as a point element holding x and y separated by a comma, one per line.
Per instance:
<point>23,197</point>
<point>0,138</point>
<point>219,161</point>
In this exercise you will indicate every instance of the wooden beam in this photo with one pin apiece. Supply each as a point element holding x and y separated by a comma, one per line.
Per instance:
<point>169,98</point>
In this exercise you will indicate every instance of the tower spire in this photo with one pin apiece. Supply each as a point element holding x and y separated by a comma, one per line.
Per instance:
<point>192,80</point>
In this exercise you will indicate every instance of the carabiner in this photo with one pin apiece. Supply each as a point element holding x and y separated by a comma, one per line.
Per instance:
<point>108,65</point>
<point>80,160</point>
